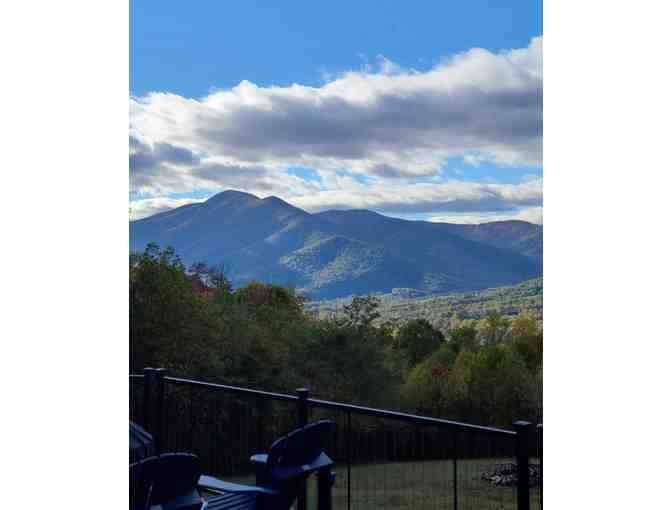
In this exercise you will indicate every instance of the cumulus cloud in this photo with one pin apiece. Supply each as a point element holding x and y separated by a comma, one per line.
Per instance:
<point>418,198</point>
<point>149,206</point>
<point>162,168</point>
<point>389,127</point>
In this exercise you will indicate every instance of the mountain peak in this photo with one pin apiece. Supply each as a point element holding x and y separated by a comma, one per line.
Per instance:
<point>273,199</point>
<point>231,194</point>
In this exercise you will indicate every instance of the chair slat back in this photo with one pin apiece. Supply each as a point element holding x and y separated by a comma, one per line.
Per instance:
<point>162,479</point>
<point>305,445</point>
<point>141,480</point>
<point>302,447</point>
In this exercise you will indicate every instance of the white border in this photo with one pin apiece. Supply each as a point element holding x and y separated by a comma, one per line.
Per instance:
<point>65,236</point>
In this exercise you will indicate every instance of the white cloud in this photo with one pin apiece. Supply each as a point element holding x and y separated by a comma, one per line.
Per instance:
<point>427,197</point>
<point>387,127</point>
<point>149,206</point>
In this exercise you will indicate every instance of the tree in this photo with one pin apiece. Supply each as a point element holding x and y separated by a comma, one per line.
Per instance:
<point>205,276</point>
<point>418,339</point>
<point>362,311</point>
<point>270,301</point>
<point>338,362</point>
<point>424,387</point>
<point>463,337</point>
<point>527,340</point>
<point>169,324</point>
<point>493,328</point>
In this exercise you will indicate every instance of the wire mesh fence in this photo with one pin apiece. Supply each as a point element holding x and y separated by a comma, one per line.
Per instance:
<point>223,429</point>
<point>136,400</point>
<point>389,463</point>
<point>384,460</point>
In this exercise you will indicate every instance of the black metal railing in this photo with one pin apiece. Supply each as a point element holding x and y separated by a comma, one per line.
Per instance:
<point>385,459</point>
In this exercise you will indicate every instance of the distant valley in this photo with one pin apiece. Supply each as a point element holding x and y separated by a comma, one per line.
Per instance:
<point>335,254</point>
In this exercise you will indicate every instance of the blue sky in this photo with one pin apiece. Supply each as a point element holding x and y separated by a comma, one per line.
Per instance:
<point>415,109</point>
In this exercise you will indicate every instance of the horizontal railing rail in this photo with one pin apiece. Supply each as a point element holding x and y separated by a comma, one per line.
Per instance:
<point>232,389</point>
<point>383,454</point>
<point>339,406</point>
<point>405,417</point>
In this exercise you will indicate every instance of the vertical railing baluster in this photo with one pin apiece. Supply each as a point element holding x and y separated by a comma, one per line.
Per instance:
<point>349,436</point>
<point>148,379</point>
<point>540,446</point>
<point>159,375</point>
<point>260,417</point>
<point>324,483</point>
<point>523,462</point>
<point>454,469</point>
<point>302,408</point>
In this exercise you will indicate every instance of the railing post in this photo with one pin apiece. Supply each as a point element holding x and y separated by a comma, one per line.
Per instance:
<point>302,404</point>
<point>303,394</point>
<point>325,480</point>
<point>159,374</point>
<point>540,443</point>
<point>349,446</point>
<point>523,463</point>
<point>148,380</point>
<point>455,469</point>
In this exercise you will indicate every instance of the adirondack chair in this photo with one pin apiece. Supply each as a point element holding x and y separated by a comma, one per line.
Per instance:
<point>166,482</point>
<point>280,473</point>
<point>140,442</point>
<point>171,481</point>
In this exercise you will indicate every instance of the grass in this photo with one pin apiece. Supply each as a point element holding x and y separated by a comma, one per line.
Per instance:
<point>419,486</point>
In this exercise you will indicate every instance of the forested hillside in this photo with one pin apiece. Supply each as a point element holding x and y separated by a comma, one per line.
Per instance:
<point>196,324</point>
<point>443,311</point>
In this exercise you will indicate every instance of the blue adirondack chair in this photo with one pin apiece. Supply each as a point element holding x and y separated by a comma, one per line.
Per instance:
<point>280,473</point>
<point>140,443</point>
<point>166,482</point>
<point>172,481</point>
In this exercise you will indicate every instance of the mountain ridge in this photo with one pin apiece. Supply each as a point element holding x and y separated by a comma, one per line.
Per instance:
<point>336,253</point>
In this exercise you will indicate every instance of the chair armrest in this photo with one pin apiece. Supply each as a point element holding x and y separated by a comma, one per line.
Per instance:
<point>259,458</point>
<point>285,473</point>
<point>220,486</point>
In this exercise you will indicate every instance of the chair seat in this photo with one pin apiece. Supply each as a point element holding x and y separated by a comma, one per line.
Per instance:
<point>216,485</point>
<point>232,501</point>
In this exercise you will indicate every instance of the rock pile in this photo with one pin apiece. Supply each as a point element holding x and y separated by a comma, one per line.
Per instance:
<point>506,475</point>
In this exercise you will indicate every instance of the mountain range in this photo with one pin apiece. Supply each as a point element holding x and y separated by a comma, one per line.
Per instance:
<point>339,253</point>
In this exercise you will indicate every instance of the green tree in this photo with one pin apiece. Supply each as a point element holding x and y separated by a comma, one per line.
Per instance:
<point>170,325</point>
<point>526,337</point>
<point>493,328</point>
<point>424,388</point>
<point>338,362</point>
<point>418,339</point>
<point>463,337</point>
<point>362,311</point>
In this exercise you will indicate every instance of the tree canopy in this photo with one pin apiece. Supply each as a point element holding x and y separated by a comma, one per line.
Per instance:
<point>260,335</point>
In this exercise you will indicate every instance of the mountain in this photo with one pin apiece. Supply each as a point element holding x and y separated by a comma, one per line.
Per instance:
<point>513,235</point>
<point>339,253</point>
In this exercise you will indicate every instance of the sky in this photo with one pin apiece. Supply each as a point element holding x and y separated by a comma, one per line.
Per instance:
<point>417,110</point>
